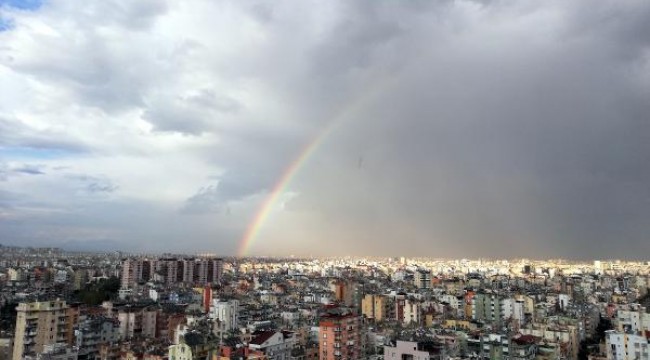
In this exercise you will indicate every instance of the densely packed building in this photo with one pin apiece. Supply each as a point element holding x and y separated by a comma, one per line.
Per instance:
<point>60,305</point>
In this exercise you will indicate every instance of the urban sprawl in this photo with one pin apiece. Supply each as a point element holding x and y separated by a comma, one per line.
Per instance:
<point>64,305</point>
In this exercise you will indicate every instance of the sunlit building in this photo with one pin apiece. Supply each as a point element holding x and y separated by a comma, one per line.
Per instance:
<point>339,334</point>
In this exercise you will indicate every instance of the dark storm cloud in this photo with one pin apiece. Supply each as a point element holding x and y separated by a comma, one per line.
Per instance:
<point>537,143</point>
<point>354,41</point>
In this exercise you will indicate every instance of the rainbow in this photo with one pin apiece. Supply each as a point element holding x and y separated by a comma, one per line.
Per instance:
<point>280,187</point>
<point>266,207</point>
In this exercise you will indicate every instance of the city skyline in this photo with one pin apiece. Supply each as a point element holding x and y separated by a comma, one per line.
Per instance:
<point>121,306</point>
<point>460,129</point>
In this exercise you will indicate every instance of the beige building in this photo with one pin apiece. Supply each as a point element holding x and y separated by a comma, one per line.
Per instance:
<point>374,307</point>
<point>180,352</point>
<point>39,324</point>
<point>15,274</point>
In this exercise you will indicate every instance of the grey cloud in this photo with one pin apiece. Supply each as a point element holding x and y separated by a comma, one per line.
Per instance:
<point>7,199</point>
<point>101,187</point>
<point>262,12</point>
<point>4,171</point>
<point>90,70</point>
<point>30,169</point>
<point>95,184</point>
<point>138,15</point>
<point>531,148</point>
<point>99,70</point>
<point>191,115</point>
<point>209,100</point>
<point>14,133</point>
<point>25,169</point>
<point>494,128</point>
<point>128,225</point>
<point>170,118</point>
<point>206,200</point>
<point>355,41</point>
<point>218,197</point>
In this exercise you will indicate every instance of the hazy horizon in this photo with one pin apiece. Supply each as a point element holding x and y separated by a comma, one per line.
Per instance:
<point>458,129</point>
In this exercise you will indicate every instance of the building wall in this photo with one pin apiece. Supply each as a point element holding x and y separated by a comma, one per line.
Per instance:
<point>227,312</point>
<point>374,307</point>
<point>6,348</point>
<point>180,352</point>
<point>423,279</point>
<point>39,324</point>
<point>277,347</point>
<point>339,338</point>
<point>405,349</point>
<point>621,346</point>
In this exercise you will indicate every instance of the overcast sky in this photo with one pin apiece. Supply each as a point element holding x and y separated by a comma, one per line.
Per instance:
<point>465,128</point>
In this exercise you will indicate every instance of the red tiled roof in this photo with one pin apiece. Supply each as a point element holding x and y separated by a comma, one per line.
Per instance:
<point>261,337</point>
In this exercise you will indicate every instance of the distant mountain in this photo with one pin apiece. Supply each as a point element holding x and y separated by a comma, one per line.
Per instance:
<point>94,245</point>
<point>74,245</point>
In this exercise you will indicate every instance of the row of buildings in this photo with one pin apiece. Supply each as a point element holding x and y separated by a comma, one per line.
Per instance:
<point>200,270</point>
<point>170,307</point>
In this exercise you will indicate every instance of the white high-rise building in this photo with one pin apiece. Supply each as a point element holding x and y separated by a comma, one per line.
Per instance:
<point>598,267</point>
<point>226,313</point>
<point>621,346</point>
<point>632,319</point>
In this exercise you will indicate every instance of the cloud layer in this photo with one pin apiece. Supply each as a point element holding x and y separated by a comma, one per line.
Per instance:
<point>466,128</point>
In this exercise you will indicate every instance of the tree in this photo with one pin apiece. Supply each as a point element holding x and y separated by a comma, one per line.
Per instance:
<point>98,292</point>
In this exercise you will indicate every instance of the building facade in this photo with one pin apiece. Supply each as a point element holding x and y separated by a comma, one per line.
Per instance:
<point>38,325</point>
<point>339,335</point>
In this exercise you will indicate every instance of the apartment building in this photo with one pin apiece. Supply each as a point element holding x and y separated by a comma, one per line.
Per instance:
<point>422,279</point>
<point>339,334</point>
<point>407,350</point>
<point>39,324</point>
<point>622,346</point>
<point>375,307</point>
<point>171,271</point>
<point>226,313</point>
